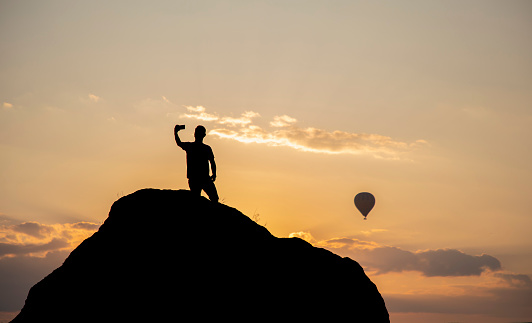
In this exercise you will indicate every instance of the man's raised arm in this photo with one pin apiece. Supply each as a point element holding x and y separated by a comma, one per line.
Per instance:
<point>176,135</point>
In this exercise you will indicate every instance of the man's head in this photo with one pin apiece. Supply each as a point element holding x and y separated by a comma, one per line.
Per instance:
<point>200,133</point>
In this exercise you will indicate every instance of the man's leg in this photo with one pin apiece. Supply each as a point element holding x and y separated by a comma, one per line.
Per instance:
<point>195,186</point>
<point>210,189</point>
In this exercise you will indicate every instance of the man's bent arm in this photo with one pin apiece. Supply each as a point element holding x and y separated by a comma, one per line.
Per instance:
<point>213,168</point>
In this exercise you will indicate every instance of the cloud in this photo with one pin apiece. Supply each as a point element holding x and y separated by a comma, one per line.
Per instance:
<point>85,226</point>
<point>7,249</point>
<point>452,262</point>
<point>386,259</point>
<point>440,262</point>
<point>33,229</point>
<point>36,239</point>
<point>282,121</point>
<point>373,231</point>
<point>516,280</point>
<point>199,114</point>
<point>244,120</point>
<point>7,105</point>
<point>30,250</point>
<point>94,98</point>
<point>437,281</point>
<point>286,133</point>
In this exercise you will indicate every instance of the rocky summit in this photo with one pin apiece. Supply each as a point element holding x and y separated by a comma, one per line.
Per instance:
<point>165,255</point>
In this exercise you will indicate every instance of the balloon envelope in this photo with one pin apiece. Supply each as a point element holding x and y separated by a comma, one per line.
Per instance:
<point>364,202</point>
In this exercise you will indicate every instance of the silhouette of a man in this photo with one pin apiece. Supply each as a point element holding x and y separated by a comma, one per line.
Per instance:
<point>199,155</point>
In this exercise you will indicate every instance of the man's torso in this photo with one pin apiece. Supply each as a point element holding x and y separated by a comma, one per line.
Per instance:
<point>198,156</point>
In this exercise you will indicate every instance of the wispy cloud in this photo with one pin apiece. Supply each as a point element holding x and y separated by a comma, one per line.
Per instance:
<point>282,121</point>
<point>94,98</point>
<point>284,131</point>
<point>7,105</point>
<point>243,121</point>
<point>199,113</point>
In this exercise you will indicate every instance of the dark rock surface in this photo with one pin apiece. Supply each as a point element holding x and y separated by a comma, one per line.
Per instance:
<point>166,255</point>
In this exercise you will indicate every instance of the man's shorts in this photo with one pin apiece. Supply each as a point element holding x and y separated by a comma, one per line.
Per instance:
<point>206,184</point>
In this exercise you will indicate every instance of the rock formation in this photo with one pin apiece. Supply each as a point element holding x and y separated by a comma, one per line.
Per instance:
<point>165,255</point>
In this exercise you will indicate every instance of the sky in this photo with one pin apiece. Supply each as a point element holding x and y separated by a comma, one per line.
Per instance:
<point>425,104</point>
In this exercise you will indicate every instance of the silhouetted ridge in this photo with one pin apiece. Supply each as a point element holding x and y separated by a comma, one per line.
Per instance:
<point>166,255</point>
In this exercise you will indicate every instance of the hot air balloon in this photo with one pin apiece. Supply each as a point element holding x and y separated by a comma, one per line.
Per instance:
<point>364,202</point>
